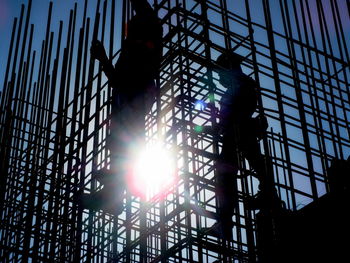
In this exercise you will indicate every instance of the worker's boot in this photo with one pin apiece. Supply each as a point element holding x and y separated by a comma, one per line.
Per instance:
<point>104,176</point>
<point>109,199</point>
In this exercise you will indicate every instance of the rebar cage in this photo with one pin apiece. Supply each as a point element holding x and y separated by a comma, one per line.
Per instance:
<point>55,107</point>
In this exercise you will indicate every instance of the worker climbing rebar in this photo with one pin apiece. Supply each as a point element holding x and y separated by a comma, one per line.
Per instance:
<point>240,134</point>
<point>133,92</point>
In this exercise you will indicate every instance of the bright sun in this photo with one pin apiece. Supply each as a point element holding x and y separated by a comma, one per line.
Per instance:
<point>153,171</point>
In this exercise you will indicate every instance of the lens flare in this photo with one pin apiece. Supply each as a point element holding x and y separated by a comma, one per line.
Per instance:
<point>200,105</point>
<point>153,171</point>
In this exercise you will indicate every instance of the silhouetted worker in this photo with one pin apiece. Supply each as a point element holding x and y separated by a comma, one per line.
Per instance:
<point>240,133</point>
<point>133,83</point>
<point>239,102</point>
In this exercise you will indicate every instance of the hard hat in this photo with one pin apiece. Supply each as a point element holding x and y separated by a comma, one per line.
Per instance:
<point>229,59</point>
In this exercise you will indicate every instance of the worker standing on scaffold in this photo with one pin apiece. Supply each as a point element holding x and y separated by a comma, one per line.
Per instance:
<point>241,133</point>
<point>133,83</point>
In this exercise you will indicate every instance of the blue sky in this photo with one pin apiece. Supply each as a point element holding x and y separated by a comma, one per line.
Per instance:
<point>9,9</point>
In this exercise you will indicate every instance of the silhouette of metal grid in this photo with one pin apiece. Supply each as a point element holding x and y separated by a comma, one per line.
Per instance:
<point>55,113</point>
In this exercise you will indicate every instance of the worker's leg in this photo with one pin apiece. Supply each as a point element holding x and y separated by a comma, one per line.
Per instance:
<point>249,145</point>
<point>226,189</point>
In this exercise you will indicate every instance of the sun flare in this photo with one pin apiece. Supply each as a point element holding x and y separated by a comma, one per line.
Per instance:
<point>153,171</point>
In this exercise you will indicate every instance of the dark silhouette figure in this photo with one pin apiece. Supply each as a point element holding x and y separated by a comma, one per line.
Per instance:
<point>240,132</point>
<point>134,91</point>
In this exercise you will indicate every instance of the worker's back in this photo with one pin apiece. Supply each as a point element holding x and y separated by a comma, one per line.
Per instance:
<point>139,61</point>
<point>239,101</point>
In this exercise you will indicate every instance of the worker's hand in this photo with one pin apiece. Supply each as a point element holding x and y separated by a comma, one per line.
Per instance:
<point>98,52</point>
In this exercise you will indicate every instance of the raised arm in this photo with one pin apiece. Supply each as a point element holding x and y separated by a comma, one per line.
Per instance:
<point>98,52</point>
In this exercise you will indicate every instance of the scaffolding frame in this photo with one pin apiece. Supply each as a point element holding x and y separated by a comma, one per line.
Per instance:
<point>55,108</point>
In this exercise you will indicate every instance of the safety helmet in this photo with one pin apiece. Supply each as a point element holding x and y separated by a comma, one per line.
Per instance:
<point>229,60</point>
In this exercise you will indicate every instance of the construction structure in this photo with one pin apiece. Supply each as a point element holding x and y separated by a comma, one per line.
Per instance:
<point>55,109</point>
